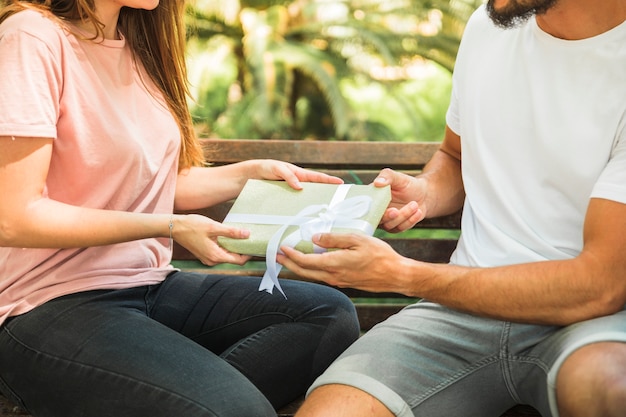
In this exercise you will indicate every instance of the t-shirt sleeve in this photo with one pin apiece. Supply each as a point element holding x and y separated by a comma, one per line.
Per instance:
<point>452,115</point>
<point>474,28</point>
<point>30,81</point>
<point>612,182</point>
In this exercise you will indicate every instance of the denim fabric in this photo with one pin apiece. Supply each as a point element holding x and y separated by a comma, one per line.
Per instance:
<point>432,361</point>
<point>194,346</point>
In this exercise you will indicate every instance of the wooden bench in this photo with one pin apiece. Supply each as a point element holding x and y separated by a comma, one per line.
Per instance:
<point>432,240</point>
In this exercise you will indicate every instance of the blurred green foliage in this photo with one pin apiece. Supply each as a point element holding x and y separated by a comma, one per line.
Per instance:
<point>324,69</point>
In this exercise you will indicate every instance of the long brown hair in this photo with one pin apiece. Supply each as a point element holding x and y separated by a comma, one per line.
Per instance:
<point>157,39</point>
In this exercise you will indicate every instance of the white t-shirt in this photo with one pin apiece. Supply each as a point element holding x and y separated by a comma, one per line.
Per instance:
<point>115,147</point>
<point>543,129</point>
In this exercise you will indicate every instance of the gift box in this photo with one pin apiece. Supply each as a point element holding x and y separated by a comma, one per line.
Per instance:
<point>277,214</point>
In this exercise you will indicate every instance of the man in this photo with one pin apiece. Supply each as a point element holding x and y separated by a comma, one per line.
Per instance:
<point>531,307</point>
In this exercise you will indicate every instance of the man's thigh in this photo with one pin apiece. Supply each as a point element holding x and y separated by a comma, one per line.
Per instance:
<point>430,360</point>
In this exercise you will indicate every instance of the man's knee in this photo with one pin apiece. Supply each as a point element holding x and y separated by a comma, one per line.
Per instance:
<point>592,381</point>
<point>342,401</point>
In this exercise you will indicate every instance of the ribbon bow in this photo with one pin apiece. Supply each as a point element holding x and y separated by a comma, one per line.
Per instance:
<point>339,213</point>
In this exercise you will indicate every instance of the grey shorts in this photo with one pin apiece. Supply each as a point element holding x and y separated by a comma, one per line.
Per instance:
<point>431,361</point>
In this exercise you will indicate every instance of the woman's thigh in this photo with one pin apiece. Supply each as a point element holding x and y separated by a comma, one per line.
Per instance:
<point>218,311</point>
<point>280,344</point>
<point>99,354</point>
<point>194,345</point>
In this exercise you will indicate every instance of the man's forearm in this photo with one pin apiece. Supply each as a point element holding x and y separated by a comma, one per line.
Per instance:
<point>551,292</point>
<point>445,185</point>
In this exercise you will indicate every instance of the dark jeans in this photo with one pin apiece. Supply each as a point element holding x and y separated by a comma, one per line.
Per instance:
<point>193,346</point>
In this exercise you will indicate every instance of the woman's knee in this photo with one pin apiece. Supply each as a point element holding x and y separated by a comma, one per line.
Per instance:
<point>324,301</point>
<point>335,311</point>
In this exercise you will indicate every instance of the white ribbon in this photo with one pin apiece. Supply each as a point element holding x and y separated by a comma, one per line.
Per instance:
<point>313,219</point>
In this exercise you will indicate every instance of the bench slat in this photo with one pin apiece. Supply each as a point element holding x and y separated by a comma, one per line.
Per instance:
<point>373,155</point>
<point>430,250</point>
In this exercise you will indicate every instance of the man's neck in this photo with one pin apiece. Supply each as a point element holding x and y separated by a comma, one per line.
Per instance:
<point>581,19</point>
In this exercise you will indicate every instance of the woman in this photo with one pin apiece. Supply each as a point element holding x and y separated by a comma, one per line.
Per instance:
<point>96,150</point>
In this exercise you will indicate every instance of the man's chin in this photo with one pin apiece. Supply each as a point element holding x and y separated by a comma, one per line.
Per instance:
<point>514,14</point>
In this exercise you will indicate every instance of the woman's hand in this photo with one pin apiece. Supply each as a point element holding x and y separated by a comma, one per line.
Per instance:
<point>198,234</point>
<point>200,187</point>
<point>270,169</point>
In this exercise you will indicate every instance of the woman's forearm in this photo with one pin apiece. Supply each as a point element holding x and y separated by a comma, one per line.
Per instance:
<point>200,187</point>
<point>45,223</point>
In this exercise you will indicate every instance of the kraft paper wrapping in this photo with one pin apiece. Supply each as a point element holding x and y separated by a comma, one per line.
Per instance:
<point>277,198</point>
<point>277,215</point>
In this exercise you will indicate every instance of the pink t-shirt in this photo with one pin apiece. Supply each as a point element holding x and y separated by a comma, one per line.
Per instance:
<point>115,148</point>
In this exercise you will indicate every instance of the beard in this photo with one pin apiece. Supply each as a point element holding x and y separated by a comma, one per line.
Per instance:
<point>517,12</point>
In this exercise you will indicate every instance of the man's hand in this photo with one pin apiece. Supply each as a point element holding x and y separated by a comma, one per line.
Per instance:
<point>360,261</point>
<point>408,195</point>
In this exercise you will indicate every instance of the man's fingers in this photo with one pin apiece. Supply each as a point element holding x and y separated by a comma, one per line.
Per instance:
<point>403,218</point>
<point>335,240</point>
